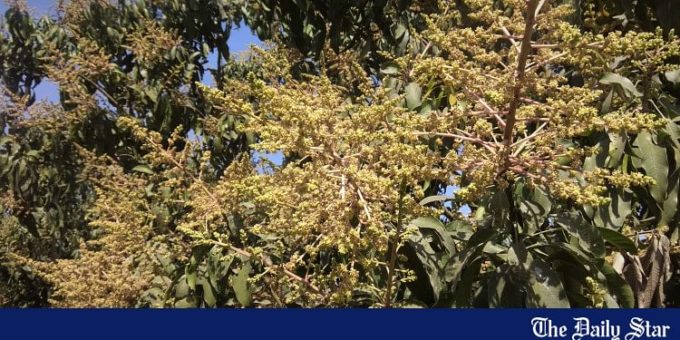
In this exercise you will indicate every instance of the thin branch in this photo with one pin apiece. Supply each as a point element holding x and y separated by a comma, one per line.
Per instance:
<point>456,136</point>
<point>393,253</point>
<point>533,135</point>
<point>364,203</point>
<point>520,72</point>
<point>537,46</point>
<point>539,7</point>
<point>510,37</point>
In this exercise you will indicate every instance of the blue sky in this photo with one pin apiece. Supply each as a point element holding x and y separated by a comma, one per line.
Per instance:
<point>239,41</point>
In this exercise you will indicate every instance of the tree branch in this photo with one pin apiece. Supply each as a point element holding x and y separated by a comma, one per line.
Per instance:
<point>520,72</point>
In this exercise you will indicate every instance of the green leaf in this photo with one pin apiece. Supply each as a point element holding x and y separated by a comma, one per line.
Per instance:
<point>618,286</point>
<point>673,76</point>
<point>460,230</point>
<point>436,198</point>
<point>452,99</point>
<point>208,295</point>
<point>398,30</point>
<point>426,264</point>
<point>670,205</point>
<point>606,105</point>
<point>389,68</point>
<point>623,82</point>
<point>618,240</point>
<point>143,168</point>
<point>613,214</point>
<point>437,226</point>
<point>575,252</point>
<point>464,287</point>
<point>191,279</point>
<point>543,285</point>
<point>181,289</point>
<point>612,147</point>
<point>653,160</point>
<point>498,207</point>
<point>456,264</point>
<point>413,93</point>
<point>197,256</point>
<point>534,205</point>
<point>617,146</point>
<point>188,302</point>
<point>588,237</point>
<point>502,291</point>
<point>428,222</point>
<point>546,289</point>
<point>240,285</point>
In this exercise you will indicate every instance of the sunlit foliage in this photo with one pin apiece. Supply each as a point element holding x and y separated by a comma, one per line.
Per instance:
<point>453,154</point>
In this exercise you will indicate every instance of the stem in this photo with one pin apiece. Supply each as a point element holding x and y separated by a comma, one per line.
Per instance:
<point>513,213</point>
<point>457,136</point>
<point>520,72</point>
<point>393,254</point>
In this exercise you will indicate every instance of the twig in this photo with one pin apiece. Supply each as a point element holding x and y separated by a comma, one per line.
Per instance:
<point>520,73</point>
<point>453,135</point>
<point>510,37</point>
<point>393,253</point>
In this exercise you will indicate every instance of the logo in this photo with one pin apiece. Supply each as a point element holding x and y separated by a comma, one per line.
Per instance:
<point>584,329</point>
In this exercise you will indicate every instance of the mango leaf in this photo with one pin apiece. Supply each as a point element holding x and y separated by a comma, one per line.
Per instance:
<point>588,237</point>
<point>436,198</point>
<point>623,82</point>
<point>189,302</point>
<point>546,289</point>
<point>413,93</point>
<point>456,264</point>
<point>460,230</point>
<point>143,168</point>
<point>618,287</point>
<point>425,262</point>
<point>240,285</point>
<point>503,292</point>
<point>607,103</point>
<point>543,285</point>
<point>670,205</point>
<point>197,256</point>
<point>498,207</point>
<point>673,76</point>
<point>617,147</point>
<point>218,267</point>
<point>613,214</point>
<point>534,205</point>
<point>428,222</point>
<point>434,224</point>
<point>653,160</point>
<point>389,68</point>
<point>612,147</point>
<point>452,99</point>
<point>575,252</point>
<point>573,275</point>
<point>208,294</point>
<point>618,240</point>
<point>463,292</point>
<point>181,289</point>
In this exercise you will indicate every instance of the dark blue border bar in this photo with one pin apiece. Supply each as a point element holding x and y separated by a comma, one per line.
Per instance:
<point>345,324</point>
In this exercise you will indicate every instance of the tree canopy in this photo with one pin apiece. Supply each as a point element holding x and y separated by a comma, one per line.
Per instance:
<point>486,153</point>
